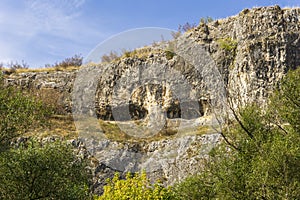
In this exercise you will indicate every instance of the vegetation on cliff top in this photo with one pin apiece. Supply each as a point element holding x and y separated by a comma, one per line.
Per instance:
<point>67,64</point>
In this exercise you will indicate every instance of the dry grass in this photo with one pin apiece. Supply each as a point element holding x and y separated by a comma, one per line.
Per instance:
<point>50,97</point>
<point>58,125</point>
<point>63,126</point>
<point>113,132</point>
<point>48,69</point>
<point>200,130</point>
<point>141,53</point>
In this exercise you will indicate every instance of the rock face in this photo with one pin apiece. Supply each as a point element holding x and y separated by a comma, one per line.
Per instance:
<point>249,52</point>
<point>267,46</point>
<point>252,50</point>
<point>60,83</point>
<point>169,160</point>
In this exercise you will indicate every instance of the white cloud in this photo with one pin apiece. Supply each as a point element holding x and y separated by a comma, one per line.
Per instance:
<point>41,25</point>
<point>56,16</point>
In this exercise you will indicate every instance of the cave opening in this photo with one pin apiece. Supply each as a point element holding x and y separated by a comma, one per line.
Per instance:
<point>188,110</point>
<point>125,112</point>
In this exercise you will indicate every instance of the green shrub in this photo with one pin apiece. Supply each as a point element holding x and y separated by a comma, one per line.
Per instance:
<point>193,188</point>
<point>134,187</point>
<point>42,171</point>
<point>169,54</point>
<point>261,159</point>
<point>127,54</point>
<point>170,50</point>
<point>228,44</point>
<point>286,101</point>
<point>18,113</point>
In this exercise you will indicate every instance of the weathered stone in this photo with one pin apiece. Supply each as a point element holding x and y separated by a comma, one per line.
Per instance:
<point>252,52</point>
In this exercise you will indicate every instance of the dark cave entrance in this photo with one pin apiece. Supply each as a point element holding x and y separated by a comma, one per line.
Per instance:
<point>123,112</point>
<point>188,110</point>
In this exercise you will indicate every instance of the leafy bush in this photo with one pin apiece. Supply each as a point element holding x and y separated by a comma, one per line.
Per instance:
<point>18,113</point>
<point>228,44</point>
<point>286,101</point>
<point>42,171</point>
<point>127,54</point>
<point>35,170</point>
<point>261,159</point>
<point>194,188</point>
<point>169,54</point>
<point>137,186</point>
<point>170,50</point>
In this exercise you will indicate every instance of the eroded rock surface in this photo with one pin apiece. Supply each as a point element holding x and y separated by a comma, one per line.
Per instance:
<point>252,52</point>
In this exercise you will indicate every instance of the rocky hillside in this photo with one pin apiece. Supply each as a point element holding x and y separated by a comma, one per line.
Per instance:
<point>240,58</point>
<point>252,50</point>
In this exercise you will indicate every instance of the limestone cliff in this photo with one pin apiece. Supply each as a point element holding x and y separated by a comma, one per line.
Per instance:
<point>252,52</point>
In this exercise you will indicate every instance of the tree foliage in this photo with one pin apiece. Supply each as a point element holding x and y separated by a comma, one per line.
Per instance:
<point>42,171</point>
<point>35,170</point>
<point>137,187</point>
<point>18,113</point>
<point>263,159</point>
<point>286,101</point>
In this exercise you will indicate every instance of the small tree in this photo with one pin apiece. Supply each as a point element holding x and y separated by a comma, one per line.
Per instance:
<point>18,113</point>
<point>262,160</point>
<point>42,171</point>
<point>286,101</point>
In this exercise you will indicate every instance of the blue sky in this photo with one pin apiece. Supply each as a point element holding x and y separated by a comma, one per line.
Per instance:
<point>46,31</point>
